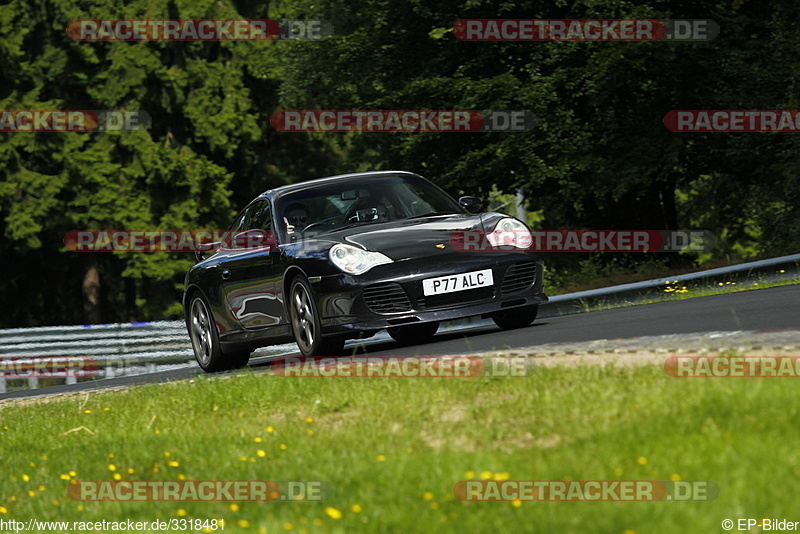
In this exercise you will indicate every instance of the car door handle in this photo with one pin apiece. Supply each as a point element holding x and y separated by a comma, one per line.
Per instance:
<point>226,274</point>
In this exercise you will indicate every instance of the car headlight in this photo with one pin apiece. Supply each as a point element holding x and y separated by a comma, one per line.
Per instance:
<point>510,232</point>
<point>354,260</point>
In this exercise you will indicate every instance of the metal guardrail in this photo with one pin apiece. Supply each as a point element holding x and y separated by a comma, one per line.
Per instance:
<point>576,302</point>
<point>128,340</point>
<point>109,348</point>
<point>147,346</point>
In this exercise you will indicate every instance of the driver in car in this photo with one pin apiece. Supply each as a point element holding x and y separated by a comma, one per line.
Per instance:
<point>295,217</point>
<point>383,213</point>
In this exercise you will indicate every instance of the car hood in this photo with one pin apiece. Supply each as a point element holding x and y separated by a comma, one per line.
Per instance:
<point>412,237</point>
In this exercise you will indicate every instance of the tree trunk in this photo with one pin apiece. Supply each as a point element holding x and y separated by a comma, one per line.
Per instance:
<point>668,203</point>
<point>91,294</point>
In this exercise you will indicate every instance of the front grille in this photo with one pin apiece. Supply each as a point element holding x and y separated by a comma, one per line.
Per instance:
<point>519,277</point>
<point>386,298</point>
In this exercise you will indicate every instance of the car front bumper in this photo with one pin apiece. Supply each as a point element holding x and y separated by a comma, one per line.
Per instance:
<point>392,295</point>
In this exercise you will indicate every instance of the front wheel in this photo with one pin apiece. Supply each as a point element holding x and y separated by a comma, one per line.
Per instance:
<point>306,324</point>
<point>516,317</point>
<point>205,340</point>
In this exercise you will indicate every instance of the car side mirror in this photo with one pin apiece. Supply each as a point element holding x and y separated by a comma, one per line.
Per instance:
<point>255,239</point>
<point>471,204</point>
<point>203,251</point>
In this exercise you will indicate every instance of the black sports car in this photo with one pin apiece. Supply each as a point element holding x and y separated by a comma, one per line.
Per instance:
<point>348,256</point>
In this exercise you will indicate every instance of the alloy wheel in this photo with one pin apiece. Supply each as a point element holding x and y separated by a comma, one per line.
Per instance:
<point>202,342</point>
<point>303,317</point>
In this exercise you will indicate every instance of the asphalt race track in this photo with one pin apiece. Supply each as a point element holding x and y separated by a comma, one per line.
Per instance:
<point>764,309</point>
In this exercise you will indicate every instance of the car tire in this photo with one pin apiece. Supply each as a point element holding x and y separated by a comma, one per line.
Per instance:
<point>516,317</point>
<point>236,360</point>
<point>306,324</point>
<point>205,339</point>
<point>413,333</point>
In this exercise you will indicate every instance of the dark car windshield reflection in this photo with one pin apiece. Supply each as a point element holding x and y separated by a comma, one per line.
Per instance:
<point>328,208</point>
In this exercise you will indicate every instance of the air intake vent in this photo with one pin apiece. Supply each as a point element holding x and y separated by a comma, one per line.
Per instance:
<point>387,298</point>
<point>519,277</point>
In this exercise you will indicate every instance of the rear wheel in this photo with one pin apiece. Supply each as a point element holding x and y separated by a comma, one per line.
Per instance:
<point>306,324</point>
<point>516,317</point>
<point>413,333</point>
<point>205,340</point>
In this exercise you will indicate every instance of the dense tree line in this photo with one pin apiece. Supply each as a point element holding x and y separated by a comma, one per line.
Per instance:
<point>599,157</point>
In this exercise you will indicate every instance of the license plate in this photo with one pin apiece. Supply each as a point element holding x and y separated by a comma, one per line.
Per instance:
<point>457,282</point>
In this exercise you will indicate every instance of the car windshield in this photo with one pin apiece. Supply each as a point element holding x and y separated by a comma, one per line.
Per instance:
<point>332,207</point>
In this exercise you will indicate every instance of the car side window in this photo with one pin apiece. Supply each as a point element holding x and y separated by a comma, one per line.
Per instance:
<point>261,218</point>
<point>239,224</point>
<point>235,228</point>
<point>256,217</point>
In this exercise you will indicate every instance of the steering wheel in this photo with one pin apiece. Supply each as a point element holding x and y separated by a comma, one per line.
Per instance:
<point>318,223</point>
<point>351,212</point>
<point>312,225</point>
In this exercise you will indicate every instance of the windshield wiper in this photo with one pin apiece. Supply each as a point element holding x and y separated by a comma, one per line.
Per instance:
<point>431,214</point>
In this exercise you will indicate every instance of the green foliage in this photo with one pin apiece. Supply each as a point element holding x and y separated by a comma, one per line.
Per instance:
<point>176,175</point>
<point>599,156</point>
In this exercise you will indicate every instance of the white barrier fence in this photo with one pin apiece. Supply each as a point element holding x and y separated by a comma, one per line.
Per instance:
<point>90,350</point>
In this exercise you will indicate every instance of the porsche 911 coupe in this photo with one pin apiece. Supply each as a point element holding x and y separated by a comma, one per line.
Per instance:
<point>347,256</point>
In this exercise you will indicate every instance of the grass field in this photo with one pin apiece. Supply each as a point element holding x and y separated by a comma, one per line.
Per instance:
<point>392,449</point>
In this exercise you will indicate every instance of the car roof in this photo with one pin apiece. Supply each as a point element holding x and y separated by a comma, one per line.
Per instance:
<point>310,184</point>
